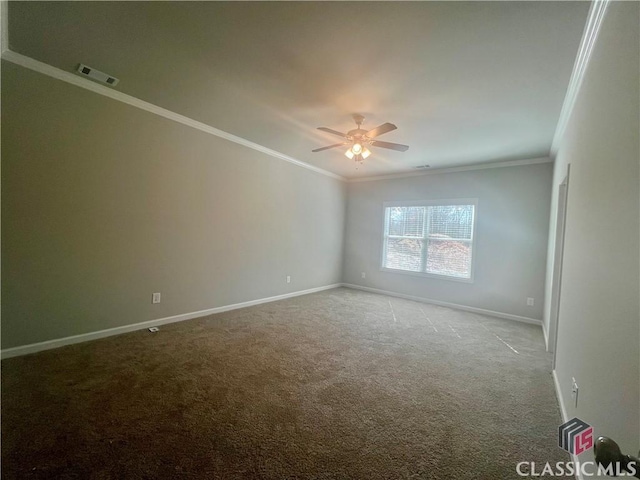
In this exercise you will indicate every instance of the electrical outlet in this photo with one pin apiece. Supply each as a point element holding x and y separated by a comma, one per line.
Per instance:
<point>574,391</point>
<point>364,275</point>
<point>155,298</point>
<point>288,278</point>
<point>529,301</point>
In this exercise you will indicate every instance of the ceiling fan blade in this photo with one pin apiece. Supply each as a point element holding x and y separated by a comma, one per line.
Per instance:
<point>335,132</point>
<point>382,129</point>
<point>393,146</point>
<point>330,146</point>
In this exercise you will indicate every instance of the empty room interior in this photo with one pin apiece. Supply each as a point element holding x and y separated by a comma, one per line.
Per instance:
<point>320,239</point>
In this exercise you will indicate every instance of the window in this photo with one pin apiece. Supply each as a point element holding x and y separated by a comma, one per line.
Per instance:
<point>430,238</point>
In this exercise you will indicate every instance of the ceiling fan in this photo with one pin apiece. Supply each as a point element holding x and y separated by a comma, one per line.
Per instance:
<point>358,139</point>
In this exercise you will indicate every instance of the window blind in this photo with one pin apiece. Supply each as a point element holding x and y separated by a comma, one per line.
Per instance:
<point>432,239</point>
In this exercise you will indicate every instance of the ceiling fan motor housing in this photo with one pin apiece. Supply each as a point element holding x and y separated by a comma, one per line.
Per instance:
<point>357,133</point>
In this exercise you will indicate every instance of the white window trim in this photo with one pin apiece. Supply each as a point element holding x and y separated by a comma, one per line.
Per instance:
<point>431,203</point>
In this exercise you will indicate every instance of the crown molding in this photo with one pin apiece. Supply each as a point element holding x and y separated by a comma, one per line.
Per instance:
<point>73,79</point>
<point>587,43</point>
<point>465,168</point>
<point>592,28</point>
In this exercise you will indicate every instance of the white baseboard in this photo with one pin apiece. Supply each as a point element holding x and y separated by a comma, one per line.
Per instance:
<point>563,410</point>
<point>85,337</point>
<point>481,311</point>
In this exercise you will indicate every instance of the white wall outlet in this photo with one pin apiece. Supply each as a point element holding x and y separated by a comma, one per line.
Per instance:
<point>155,298</point>
<point>574,391</point>
<point>529,301</point>
<point>288,278</point>
<point>364,275</point>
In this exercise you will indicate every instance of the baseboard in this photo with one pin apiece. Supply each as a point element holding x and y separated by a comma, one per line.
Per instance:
<point>85,337</point>
<point>466,308</point>
<point>563,410</point>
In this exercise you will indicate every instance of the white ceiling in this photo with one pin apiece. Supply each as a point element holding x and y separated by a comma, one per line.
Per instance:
<point>465,82</point>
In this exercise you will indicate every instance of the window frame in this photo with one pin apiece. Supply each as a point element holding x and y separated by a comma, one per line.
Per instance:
<point>430,203</point>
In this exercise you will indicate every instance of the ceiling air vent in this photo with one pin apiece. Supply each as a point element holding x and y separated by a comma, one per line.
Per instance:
<point>97,75</point>
<point>420,167</point>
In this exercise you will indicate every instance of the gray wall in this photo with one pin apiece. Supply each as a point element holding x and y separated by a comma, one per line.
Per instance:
<point>511,236</point>
<point>104,204</point>
<point>599,321</point>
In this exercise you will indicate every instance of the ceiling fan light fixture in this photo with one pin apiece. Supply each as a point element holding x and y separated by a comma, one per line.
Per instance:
<point>358,140</point>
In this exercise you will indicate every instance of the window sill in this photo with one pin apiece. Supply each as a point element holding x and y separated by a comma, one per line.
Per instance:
<point>428,275</point>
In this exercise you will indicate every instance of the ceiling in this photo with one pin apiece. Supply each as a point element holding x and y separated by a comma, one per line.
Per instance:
<point>465,82</point>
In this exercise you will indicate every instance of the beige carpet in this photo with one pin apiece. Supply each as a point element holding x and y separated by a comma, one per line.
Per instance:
<point>339,384</point>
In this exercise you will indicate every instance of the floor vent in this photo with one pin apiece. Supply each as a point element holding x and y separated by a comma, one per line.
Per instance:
<point>97,75</point>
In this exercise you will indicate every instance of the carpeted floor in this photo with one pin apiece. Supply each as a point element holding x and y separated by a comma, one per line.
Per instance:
<point>339,384</point>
